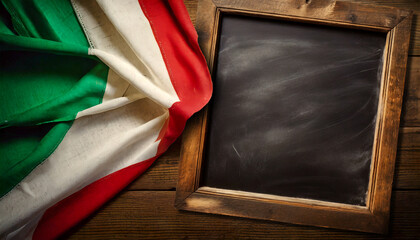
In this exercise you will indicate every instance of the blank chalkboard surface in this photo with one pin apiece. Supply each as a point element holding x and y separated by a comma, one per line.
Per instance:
<point>294,109</point>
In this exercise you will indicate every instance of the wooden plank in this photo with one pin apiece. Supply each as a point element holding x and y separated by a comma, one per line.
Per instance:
<point>405,4</point>
<point>346,12</point>
<point>191,6</point>
<point>407,171</point>
<point>163,174</point>
<point>383,165</point>
<point>413,5</point>
<point>409,138</point>
<point>151,215</point>
<point>411,105</point>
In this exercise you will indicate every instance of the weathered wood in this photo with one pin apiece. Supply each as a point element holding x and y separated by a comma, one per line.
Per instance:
<point>192,144</point>
<point>413,5</point>
<point>406,4</point>
<point>383,166</point>
<point>409,138</point>
<point>151,215</point>
<point>407,172</point>
<point>326,10</point>
<point>206,30</point>
<point>411,106</point>
<point>191,6</point>
<point>163,174</point>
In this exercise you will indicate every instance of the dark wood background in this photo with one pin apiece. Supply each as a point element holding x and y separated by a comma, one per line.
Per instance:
<point>145,209</point>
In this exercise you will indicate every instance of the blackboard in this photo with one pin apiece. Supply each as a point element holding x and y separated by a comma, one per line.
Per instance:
<point>294,109</point>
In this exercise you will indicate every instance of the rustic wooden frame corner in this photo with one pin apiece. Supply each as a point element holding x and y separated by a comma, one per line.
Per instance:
<point>372,218</point>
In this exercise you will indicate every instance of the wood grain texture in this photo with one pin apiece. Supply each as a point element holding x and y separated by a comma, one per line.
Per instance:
<point>409,138</point>
<point>404,4</point>
<point>187,182</point>
<point>191,6</point>
<point>151,215</point>
<point>413,5</point>
<point>407,172</point>
<point>163,174</point>
<point>383,166</point>
<point>346,12</point>
<point>411,106</point>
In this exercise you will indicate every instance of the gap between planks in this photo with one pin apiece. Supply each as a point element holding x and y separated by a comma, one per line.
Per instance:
<point>151,215</point>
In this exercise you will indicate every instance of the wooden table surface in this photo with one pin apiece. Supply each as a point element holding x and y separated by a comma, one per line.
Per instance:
<point>145,209</point>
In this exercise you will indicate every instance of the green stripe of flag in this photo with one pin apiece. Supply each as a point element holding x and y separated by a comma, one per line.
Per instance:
<point>46,78</point>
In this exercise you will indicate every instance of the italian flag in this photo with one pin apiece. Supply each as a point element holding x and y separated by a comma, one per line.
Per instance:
<point>91,93</point>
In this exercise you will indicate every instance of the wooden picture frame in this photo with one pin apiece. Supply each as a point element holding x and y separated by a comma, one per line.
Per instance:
<point>374,216</point>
